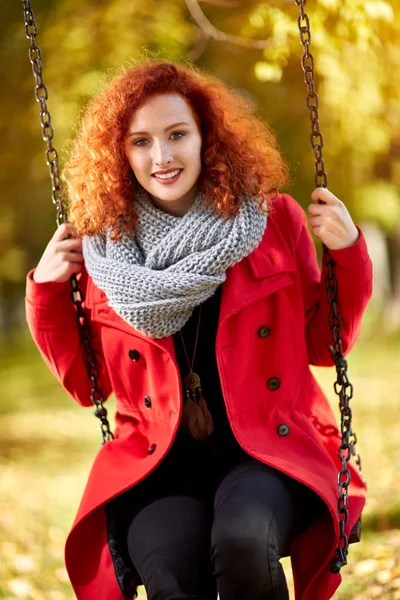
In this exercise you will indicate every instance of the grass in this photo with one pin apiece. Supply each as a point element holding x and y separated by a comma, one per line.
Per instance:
<point>47,444</point>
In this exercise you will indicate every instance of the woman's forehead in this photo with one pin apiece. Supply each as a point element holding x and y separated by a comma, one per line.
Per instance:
<point>161,110</point>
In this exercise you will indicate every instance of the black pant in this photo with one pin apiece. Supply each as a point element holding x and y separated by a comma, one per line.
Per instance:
<point>193,533</point>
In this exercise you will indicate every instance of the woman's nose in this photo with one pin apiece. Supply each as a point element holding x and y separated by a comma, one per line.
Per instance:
<point>162,154</point>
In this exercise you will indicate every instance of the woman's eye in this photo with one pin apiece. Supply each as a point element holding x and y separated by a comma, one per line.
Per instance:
<point>139,144</point>
<point>180,133</point>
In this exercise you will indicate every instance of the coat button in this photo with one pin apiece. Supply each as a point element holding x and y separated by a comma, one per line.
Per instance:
<point>134,354</point>
<point>283,429</point>
<point>152,448</point>
<point>147,401</point>
<point>264,331</point>
<point>273,383</point>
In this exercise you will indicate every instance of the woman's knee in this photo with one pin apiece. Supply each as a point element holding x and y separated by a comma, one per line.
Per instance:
<point>245,554</point>
<point>245,544</point>
<point>169,545</point>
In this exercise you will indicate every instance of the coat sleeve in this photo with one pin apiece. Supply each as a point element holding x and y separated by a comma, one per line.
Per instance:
<point>51,318</point>
<point>353,270</point>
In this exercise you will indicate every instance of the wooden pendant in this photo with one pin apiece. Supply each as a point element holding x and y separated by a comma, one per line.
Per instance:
<point>196,418</point>
<point>192,381</point>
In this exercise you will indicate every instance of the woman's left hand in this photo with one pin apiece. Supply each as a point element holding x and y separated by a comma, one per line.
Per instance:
<point>331,222</point>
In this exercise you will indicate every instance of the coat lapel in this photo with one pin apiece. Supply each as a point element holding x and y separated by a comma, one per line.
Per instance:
<point>97,302</point>
<point>267,269</point>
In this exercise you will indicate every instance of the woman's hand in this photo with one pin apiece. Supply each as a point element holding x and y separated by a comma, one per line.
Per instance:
<point>331,222</point>
<point>62,257</point>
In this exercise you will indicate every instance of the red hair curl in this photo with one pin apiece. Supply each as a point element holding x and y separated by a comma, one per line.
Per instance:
<point>240,156</point>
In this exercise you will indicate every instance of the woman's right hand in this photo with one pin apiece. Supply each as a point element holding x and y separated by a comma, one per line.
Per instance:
<point>62,257</point>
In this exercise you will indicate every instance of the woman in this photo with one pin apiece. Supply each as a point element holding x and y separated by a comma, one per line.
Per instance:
<point>206,307</point>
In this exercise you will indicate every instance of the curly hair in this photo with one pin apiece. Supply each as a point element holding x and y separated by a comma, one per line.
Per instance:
<point>240,156</point>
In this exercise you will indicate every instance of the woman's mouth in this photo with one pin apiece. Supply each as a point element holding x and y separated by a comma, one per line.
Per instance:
<point>168,178</point>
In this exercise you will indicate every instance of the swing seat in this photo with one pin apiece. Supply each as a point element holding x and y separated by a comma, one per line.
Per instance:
<point>355,534</point>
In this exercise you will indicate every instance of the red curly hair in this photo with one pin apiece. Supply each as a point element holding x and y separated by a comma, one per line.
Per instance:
<point>240,156</point>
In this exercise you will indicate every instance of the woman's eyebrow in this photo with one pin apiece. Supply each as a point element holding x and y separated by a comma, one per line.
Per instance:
<point>166,129</point>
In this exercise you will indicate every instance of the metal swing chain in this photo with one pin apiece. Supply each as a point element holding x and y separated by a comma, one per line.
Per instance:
<point>41,95</point>
<point>342,386</point>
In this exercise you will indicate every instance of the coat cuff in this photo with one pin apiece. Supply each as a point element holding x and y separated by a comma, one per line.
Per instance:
<point>44,294</point>
<point>353,256</point>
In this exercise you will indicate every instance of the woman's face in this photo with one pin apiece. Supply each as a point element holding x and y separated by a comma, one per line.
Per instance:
<point>163,147</point>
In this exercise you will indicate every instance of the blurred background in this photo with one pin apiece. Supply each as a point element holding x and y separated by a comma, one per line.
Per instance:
<point>47,443</point>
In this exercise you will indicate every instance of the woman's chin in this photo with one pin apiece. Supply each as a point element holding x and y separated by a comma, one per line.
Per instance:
<point>174,193</point>
<point>175,204</point>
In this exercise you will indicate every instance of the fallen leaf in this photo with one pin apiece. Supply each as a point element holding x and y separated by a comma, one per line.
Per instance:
<point>20,588</point>
<point>365,566</point>
<point>25,563</point>
<point>383,577</point>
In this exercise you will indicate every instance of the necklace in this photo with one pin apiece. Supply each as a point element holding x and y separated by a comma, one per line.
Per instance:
<point>196,418</point>
<point>192,380</point>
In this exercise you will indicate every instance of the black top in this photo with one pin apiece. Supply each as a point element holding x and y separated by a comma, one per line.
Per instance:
<point>222,443</point>
<point>190,467</point>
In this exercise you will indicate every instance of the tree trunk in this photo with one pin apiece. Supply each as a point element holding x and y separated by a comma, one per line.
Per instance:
<point>393,316</point>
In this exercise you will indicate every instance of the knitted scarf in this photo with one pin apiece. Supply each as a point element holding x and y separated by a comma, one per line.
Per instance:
<point>155,278</point>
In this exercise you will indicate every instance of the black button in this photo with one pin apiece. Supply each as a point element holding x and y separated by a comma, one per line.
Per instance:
<point>147,401</point>
<point>134,354</point>
<point>264,331</point>
<point>283,429</point>
<point>152,448</point>
<point>273,383</point>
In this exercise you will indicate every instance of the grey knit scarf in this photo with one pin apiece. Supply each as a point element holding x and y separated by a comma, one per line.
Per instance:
<point>155,278</point>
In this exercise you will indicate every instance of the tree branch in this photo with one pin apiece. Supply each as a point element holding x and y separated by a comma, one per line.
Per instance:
<point>225,3</point>
<point>216,34</point>
<point>199,48</point>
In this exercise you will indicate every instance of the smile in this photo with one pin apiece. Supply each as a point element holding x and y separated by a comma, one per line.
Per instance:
<point>168,178</point>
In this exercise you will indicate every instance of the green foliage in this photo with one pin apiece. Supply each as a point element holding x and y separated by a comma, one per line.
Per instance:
<point>378,200</point>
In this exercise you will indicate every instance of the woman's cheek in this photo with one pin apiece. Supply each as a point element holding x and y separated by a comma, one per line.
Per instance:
<point>193,154</point>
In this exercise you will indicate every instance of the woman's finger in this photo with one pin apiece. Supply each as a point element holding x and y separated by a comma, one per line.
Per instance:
<point>325,195</point>
<point>75,268</point>
<point>69,245</point>
<point>315,209</point>
<point>71,257</point>
<point>65,271</point>
<point>324,209</point>
<point>316,221</point>
<point>62,232</point>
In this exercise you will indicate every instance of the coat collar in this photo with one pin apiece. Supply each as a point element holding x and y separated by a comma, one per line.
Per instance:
<point>266,270</point>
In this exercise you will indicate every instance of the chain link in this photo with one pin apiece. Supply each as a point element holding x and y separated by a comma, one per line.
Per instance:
<point>41,95</point>
<point>312,100</point>
<point>343,388</point>
<point>96,394</point>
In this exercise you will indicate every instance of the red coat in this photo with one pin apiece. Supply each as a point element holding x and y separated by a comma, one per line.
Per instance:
<point>278,285</point>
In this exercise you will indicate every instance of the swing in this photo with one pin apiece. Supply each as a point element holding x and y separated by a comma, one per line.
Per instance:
<point>342,386</point>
